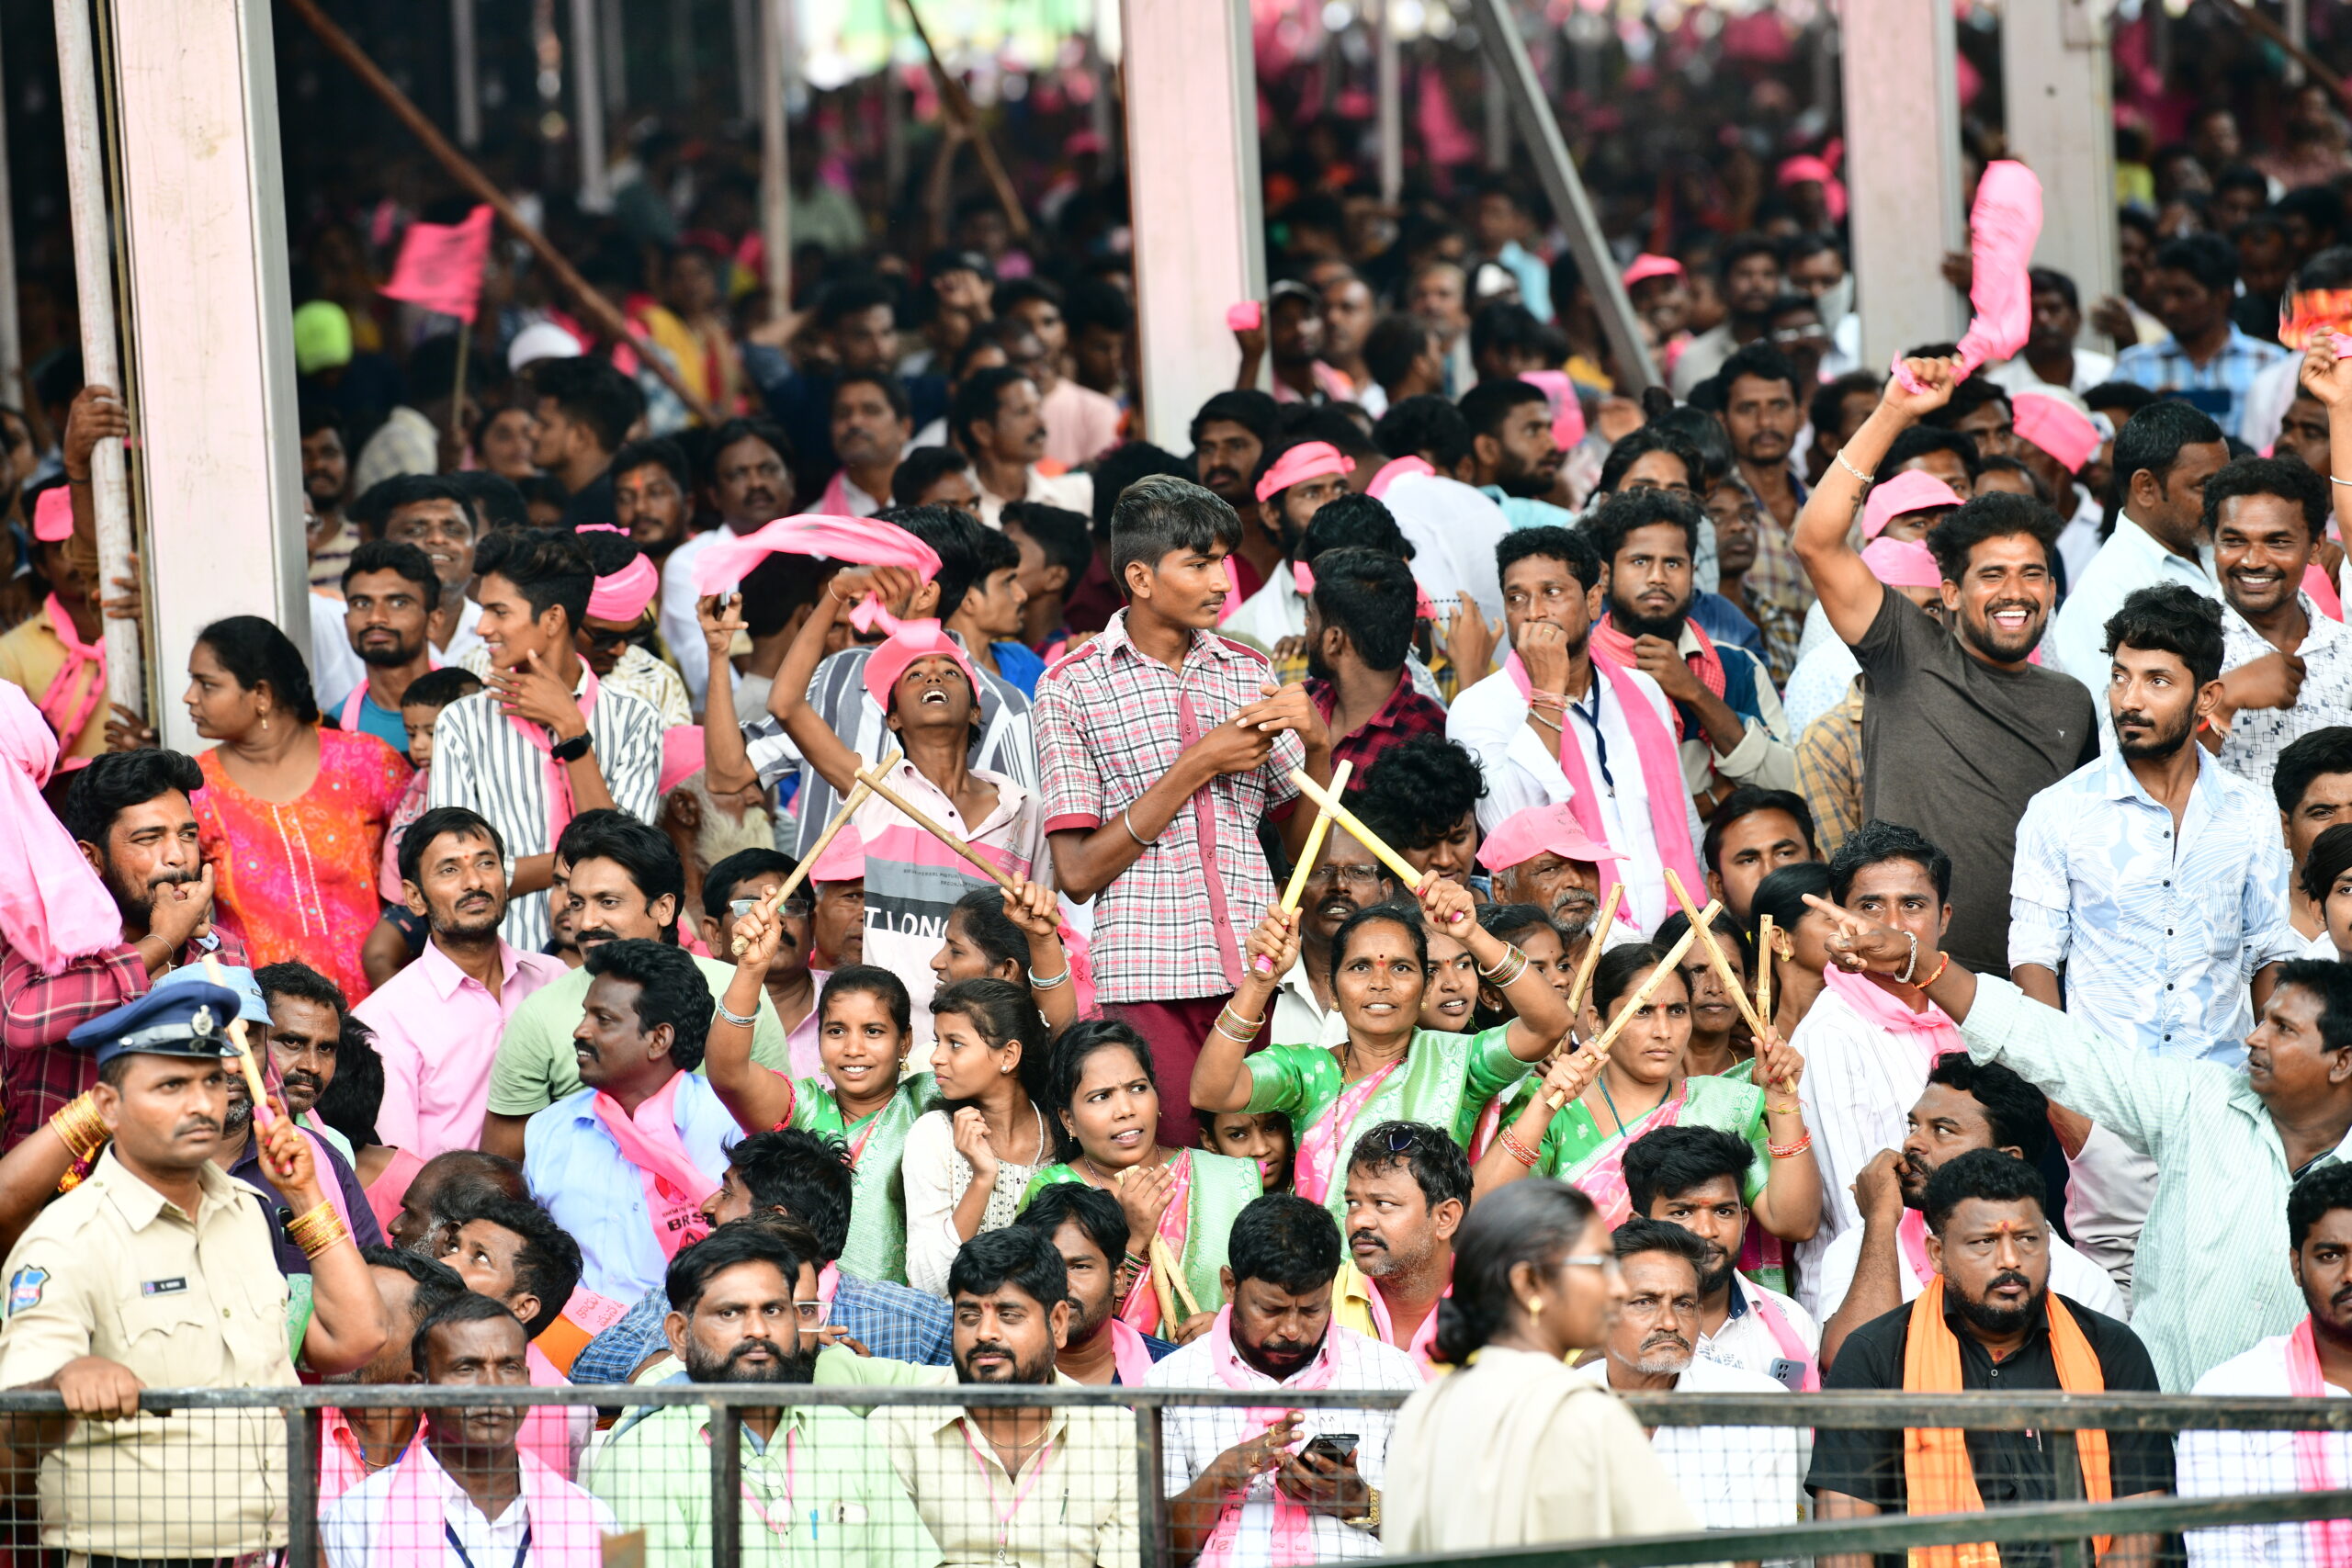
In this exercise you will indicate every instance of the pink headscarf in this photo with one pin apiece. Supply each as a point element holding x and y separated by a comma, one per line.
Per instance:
<point>681,755</point>
<point>1903,563</point>
<point>1307,460</point>
<point>54,516</point>
<point>1393,470</point>
<point>2056,426</point>
<point>911,641</point>
<point>1796,171</point>
<point>53,908</point>
<point>621,598</point>
<point>1908,492</point>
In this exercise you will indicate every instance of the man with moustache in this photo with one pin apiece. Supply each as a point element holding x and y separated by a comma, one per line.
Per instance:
<point>745,1310</point>
<point>747,477</point>
<point>469,1484</point>
<point>437,516</point>
<point>1869,1272</point>
<point>1060,1488</point>
<point>2286,667</point>
<point>1733,1477</point>
<point>872,423</point>
<point>653,495</point>
<point>1962,728</point>
<point>389,595</point>
<point>1347,877</point>
<point>1408,1186</point>
<point>1753,833</point>
<point>1515,459</point>
<point>728,886</point>
<point>1091,1231</point>
<point>1230,438</point>
<point>1541,856</point>
<point>358,1440</point>
<point>129,815</point>
<point>1989,1320</point>
<point>305,1029</point>
<point>1760,414</point>
<point>1237,1488</point>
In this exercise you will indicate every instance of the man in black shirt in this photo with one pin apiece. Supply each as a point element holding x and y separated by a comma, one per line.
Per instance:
<point>1989,1241</point>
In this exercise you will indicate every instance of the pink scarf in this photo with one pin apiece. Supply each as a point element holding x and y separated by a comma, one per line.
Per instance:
<point>1319,1146</point>
<point>2002,229</point>
<point>1911,1232</point>
<point>860,540</point>
<point>1603,1178</point>
<point>341,1463</point>
<point>1294,1539</point>
<point>674,1187</point>
<point>559,774</point>
<point>53,908</point>
<point>1661,765</point>
<point>562,1517</point>
<point>1784,1334</point>
<point>1129,1354</point>
<point>2331,1539</point>
<point>1424,1346</point>
<point>1610,643</point>
<point>1141,1309</point>
<point>70,700</point>
<point>1933,1030</point>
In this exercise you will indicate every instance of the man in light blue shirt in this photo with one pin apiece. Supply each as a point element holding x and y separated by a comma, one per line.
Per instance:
<point>2204,357</point>
<point>2154,877</point>
<point>625,1164</point>
<point>2163,454</point>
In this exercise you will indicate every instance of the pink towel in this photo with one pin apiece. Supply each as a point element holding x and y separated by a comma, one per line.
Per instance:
<point>2002,229</point>
<point>53,908</point>
<point>857,540</point>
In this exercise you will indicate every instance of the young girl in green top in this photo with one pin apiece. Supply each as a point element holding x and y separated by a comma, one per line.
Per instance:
<point>1180,1203</point>
<point>865,1026</point>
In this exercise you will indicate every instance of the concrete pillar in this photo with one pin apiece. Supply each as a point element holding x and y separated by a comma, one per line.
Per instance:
<point>588,107</point>
<point>2058,93</point>
<point>1902,172</point>
<point>210,327</point>
<point>1192,172</point>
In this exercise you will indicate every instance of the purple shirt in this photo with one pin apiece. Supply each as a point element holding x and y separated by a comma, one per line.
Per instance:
<point>436,1029</point>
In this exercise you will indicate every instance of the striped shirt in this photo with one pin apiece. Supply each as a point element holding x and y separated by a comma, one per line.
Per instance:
<point>636,672</point>
<point>481,762</point>
<point>2212,1278</point>
<point>838,692</point>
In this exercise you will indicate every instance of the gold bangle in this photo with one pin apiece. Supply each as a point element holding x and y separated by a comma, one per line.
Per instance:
<point>320,1236</point>
<point>79,1127</point>
<point>1783,1109</point>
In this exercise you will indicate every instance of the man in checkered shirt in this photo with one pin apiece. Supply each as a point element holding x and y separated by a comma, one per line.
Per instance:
<point>1161,747</point>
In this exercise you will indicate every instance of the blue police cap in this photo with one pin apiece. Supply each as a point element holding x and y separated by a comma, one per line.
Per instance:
<point>190,1018</point>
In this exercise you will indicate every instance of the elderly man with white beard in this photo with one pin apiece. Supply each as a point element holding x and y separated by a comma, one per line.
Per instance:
<point>705,827</point>
<point>1733,1477</point>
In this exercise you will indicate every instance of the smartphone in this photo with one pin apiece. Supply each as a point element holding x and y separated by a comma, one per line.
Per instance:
<point>1332,1448</point>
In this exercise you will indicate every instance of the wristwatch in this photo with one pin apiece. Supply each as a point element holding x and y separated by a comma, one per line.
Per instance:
<point>572,750</point>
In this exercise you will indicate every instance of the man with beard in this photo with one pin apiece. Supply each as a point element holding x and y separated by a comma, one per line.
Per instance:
<point>1359,631</point>
<point>1962,728</point>
<point>653,495</point>
<point>1091,1231</point>
<point>517,1257</point>
<point>1725,709</point>
<point>129,814</point>
<point>1760,415</point>
<point>1230,438</point>
<point>1733,1477</point>
<point>306,1025</point>
<point>1543,856</point>
<point>1237,1490</point>
<point>998,421</point>
<point>1408,1186</point>
<point>442,1187</point>
<point>436,514</point>
<point>745,1310</point>
<point>624,880</point>
<point>1698,1179</point>
<point>1516,461</point>
<point>1060,1483</point>
<point>1869,1272</point>
<point>470,1482</point>
<point>746,477</point>
<point>326,484</point>
<point>390,595</point>
<point>2314,1360</point>
<point>359,1440</point>
<point>2286,667</point>
<point>437,1022</point>
<point>1750,270</point>
<point>1556,727</point>
<point>1989,1320</point>
<point>1346,878</point>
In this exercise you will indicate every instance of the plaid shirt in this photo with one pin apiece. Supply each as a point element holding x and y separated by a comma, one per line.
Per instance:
<point>2218,387</point>
<point>1405,714</point>
<point>1111,723</point>
<point>37,1011</point>
<point>2258,735</point>
<point>893,1321</point>
<point>1779,591</point>
<point>1830,770</point>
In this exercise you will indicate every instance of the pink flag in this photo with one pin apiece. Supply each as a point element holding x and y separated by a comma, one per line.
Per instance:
<point>2002,229</point>
<point>440,266</point>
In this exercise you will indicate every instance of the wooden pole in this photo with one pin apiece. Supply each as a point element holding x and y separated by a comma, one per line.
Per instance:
<point>959,104</point>
<point>1332,809</point>
<point>1715,956</point>
<point>857,797</point>
<point>591,304</point>
<point>1315,837</point>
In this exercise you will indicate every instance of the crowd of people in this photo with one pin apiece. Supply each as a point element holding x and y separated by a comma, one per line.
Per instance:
<point>902,881</point>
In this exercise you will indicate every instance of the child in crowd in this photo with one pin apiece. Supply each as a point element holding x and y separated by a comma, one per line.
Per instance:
<point>1263,1137</point>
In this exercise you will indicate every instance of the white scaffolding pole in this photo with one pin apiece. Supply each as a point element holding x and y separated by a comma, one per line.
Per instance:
<point>465,46</point>
<point>588,107</point>
<point>2056,67</point>
<point>1903,170</point>
<point>1388,80</point>
<point>775,188</point>
<point>12,342</point>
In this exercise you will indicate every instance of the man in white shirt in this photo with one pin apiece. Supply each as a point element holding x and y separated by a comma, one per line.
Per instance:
<point>2286,667</point>
<point>2313,1362</point>
<point>466,1496</point>
<point>1698,1178</point>
<point>1552,716</point>
<point>998,419</point>
<point>1733,1477</point>
<point>747,476</point>
<point>1313,1504</point>
<point>2163,454</point>
<point>1874,1268</point>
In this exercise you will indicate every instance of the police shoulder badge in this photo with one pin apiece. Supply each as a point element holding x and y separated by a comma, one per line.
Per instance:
<point>24,1288</point>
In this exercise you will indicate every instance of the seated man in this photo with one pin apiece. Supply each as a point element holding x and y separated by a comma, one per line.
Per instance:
<point>1090,1230</point>
<point>1543,856</point>
<point>358,1440</point>
<point>1235,1493</point>
<point>1060,1484</point>
<point>803,1177</point>
<point>747,1312</point>
<point>1869,1271</point>
<point>2313,1362</point>
<point>1733,1477</point>
<point>1989,1321</point>
<point>468,1485</point>
<point>1407,1186</point>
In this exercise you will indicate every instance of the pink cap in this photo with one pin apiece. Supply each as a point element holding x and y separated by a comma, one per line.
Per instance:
<point>682,756</point>
<point>619,599</point>
<point>2056,426</point>
<point>1647,267</point>
<point>1805,166</point>
<point>1910,491</point>
<point>1541,829</point>
<point>912,640</point>
<point>1307,460</point>
<point>843,860</point>
<point>1902,563</point>
<point>54,516</point>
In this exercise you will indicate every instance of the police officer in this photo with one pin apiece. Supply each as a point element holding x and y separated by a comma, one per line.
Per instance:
<point>157,1271</point>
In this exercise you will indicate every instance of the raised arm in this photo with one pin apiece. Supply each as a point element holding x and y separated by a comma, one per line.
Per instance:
<point>758,1098</point>
<point>789,697</point>
<point>2329,379</point>
<point>1221,1079</point>
<point>1037,911</point>
<point>347,1325</point>
<point>726,763</point>
<point>1541,1012</point>
<point>1850,593</point>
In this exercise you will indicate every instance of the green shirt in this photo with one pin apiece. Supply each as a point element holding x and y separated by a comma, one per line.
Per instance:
<point>2210,1278</point>
<point>1444,1081</point>
<point>1575,1140</point>
<point>1222,1187</point>
<point>876,1249</point>
<point>825,1488</point>
<point>535,1067</point>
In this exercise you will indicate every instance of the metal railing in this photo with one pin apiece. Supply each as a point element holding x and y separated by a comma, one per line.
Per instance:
<point>2064,1522</point>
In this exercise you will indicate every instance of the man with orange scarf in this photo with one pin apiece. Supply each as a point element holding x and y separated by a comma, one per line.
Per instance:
<point>1988,1321</point>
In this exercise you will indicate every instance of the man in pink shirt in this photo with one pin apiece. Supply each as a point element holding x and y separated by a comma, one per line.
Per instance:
<point>437,1022</point>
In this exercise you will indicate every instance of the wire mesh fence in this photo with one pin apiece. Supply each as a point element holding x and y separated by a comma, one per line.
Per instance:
<point>677,1476</point>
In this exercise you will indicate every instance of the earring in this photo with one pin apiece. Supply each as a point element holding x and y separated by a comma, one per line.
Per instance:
<point>264,723</point>
<point>1535,1306</point>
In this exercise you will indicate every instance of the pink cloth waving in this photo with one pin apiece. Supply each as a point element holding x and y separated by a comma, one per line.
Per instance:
<point>53,908</point>
<point>2002,229</point>
<point>858,539</point>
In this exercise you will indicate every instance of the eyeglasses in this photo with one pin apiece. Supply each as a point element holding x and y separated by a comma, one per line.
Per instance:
<point>793,909</point>
<point>607,639</point>
<point>1354,875</point>
<point>1605,1261</point>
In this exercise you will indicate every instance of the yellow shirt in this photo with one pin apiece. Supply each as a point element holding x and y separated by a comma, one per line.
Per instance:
<point>32,655</point>
<point>1074,1506</point>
